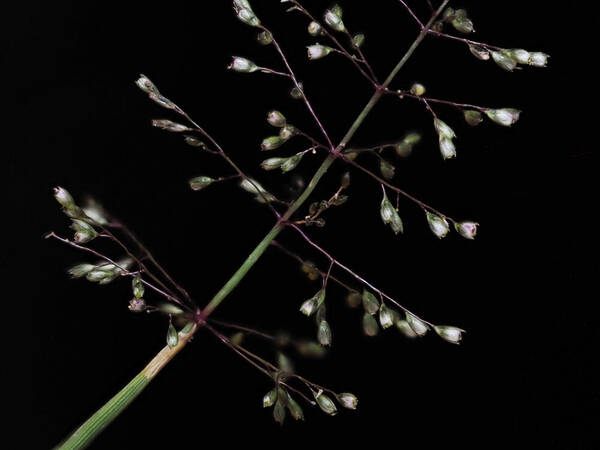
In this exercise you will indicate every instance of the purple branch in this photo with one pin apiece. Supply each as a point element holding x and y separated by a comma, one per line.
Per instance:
<point>297,85</point>
<point>350,272</point>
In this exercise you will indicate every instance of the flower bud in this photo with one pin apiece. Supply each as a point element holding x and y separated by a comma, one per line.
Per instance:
<point>448,13</point>
<point>63,197</point>
<point>405,329</point>
<point>472,117</point>
<point>333,18</point>
<point>242,4</point>
<point>276,119</point>
<point>80,270</point>
<point>443,130</point>
<point>438,225</point>
<point>99,275</point>
<point>345,181</point>
<point>447,148</point>
<point>353,299</point>
<point>538,59</point>
<point>310,349</point>
<point>137,304</point>
<point>163,101</point>
<point>198,183</point>
<point>325,403</point>
<point>272,163</point>
<point>505,116</point>
<point>169,125</point>
<point>519,55</point>
<point>264,38</point>
<point>271,143</point>
<point>417,89</point>
<point>194,142</point>
<point>479,52</point>
<point>405,146</point>
<point>390,216</point>
<point>269,398</point>
<point>291,163</point>
<point>244,12</point>
<point>418,326</point>
<point>248,17</point>
<point>296,93</point>
<point>254,187</point>
<point>95,212</point>
<point>144,83</point>
<point>293,407</point>
<point>315,29</point>
<point>370,302</point>
<point>84,232</point>
<point>137,287</point>
<point>237,338</point>
<point>312,304</point>
<point>347,400</point>
<point>244,65</point>
<point>369,324</point>
<point>504,60</point>
<point>279,412</point>
<point>317,51</point>
<point>284,363</point>
<point>450,334</point>
<point>287,131</point>
<point>462,25</point>
<point>81,237</point>
<point>466,229</point>
<point>386,169</point>
<point>358,40</point>
<point>172,336</point>
<point>324,333</point>
<point>385,317</point>
<point>170,308</point>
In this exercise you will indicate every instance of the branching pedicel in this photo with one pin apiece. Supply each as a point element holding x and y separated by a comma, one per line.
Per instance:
<point>92,222</point>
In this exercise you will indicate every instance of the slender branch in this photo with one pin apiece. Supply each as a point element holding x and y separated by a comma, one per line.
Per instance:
<point>112,237</point>
<point>396,189</point>
<point>445,35</point>
<point>274,72</point>
<point>229,161</point>
<point>411,12</point>
<point>465,41</point>
<point>256,361</point>
<point>124,272</point>
<point>299,87</point>
<point>340,48</point>
<point>354,274</point>
<point>363,58</point>
<point>302,261</point>
<point>245,329</point>
<point>120,225</point>
<point>401,94</point>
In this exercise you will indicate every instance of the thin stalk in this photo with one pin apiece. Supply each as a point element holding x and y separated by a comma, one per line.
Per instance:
<point>92,427</point>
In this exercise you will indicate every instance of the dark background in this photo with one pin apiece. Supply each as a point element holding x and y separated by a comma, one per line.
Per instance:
<point>522,290</point>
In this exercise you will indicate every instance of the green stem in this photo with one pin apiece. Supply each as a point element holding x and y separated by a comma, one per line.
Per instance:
<point>264,244</point>
<point>87,432</point>
<point>84,435</point>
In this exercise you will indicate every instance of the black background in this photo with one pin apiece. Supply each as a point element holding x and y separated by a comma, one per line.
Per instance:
<point>522,290</point>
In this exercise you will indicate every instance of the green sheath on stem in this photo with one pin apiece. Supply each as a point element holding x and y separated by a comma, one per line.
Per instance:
<point>105,415</point>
